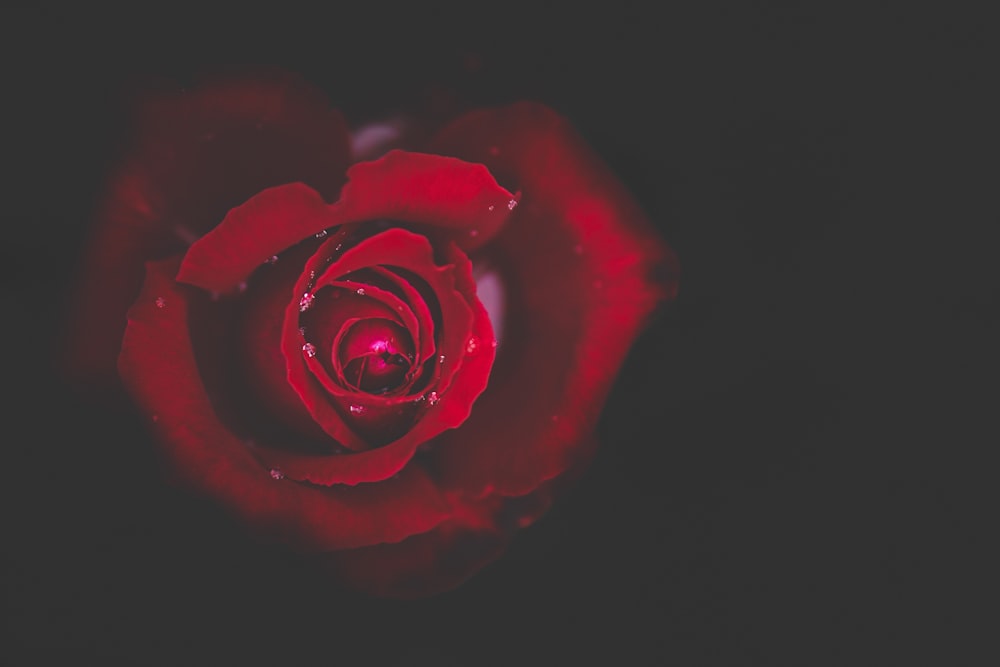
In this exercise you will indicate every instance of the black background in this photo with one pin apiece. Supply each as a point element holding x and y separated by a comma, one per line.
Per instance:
<point>793,467</point>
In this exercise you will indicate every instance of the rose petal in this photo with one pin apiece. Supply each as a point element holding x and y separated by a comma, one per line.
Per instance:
<point>583,269</point>
<point>193,155</point>
<point>425,564</point>
<point>443,558</point>
<point>454,199</point>
<point>159,369</point>
<point>268,223</point>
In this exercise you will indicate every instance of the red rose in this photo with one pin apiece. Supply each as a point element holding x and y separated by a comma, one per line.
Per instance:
<point>308,341</point>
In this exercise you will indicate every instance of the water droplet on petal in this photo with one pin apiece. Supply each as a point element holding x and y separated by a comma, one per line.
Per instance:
<point>511,204</point>
<point>309,350</point>
<point>277,474</point>
<point>357,409</point>
<point>339,246</point>
<point>321,234</point>
<point>302,331</point>
<point>360,291</point>
<point>271,260</point>
<point>492,207</point>
<point>160,302</point>
<point>472,346</point>
<point>433,398</point>
<point>494,344</point>
<point>441,359</point>
<point>306,302</point>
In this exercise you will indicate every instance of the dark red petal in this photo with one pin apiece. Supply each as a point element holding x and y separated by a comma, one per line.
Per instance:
<point>453,199</point>
<point>193,155</point>
<point>159,369</point>
<point>258,335</point>
<point>583,269</point>
<point>268,223</point>
<point>443,558</point>
<point>425,564</point>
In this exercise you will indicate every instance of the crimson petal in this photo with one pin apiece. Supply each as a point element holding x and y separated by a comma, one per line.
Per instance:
<point>158,366</point>
<point>268,223</point>
<point>584,270</point>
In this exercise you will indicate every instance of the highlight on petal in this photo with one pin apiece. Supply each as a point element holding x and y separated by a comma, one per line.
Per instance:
<point>159,368</point>
<point>583,269</point>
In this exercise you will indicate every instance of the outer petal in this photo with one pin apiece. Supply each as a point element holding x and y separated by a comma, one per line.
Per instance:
<point>158,366</point>
<point>268,223</point>
<point>441,559</point>
<point>444,196</point>
<point>583,269</point>
<point>192,155</point>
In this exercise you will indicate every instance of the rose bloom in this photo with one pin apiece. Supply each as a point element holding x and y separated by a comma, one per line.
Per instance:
<point>389,360</point>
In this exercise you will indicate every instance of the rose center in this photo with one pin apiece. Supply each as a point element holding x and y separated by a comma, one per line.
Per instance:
<point>376,355</point>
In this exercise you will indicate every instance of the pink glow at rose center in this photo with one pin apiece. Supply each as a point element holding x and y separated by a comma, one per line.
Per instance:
<point>376,355</point>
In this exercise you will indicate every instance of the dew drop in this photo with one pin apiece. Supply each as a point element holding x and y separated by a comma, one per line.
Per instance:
<point>511,204</point>
<point>302,331</point>
<point>360,291</point>
<point>494,344</point>
<point>339,246</point>
<point>357,409</point>
<point>472,346</point>
<point>492,207</point>
<point>306,302</point>
<point>321,234</point>
<point>271,260</point>
<point>433,398</point>
<point>309,350</point>
<point>277,474</point>
<point>160,302</point>
<point>441,359</point>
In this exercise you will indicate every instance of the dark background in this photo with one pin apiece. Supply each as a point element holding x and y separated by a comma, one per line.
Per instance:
<point>793,467</point>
